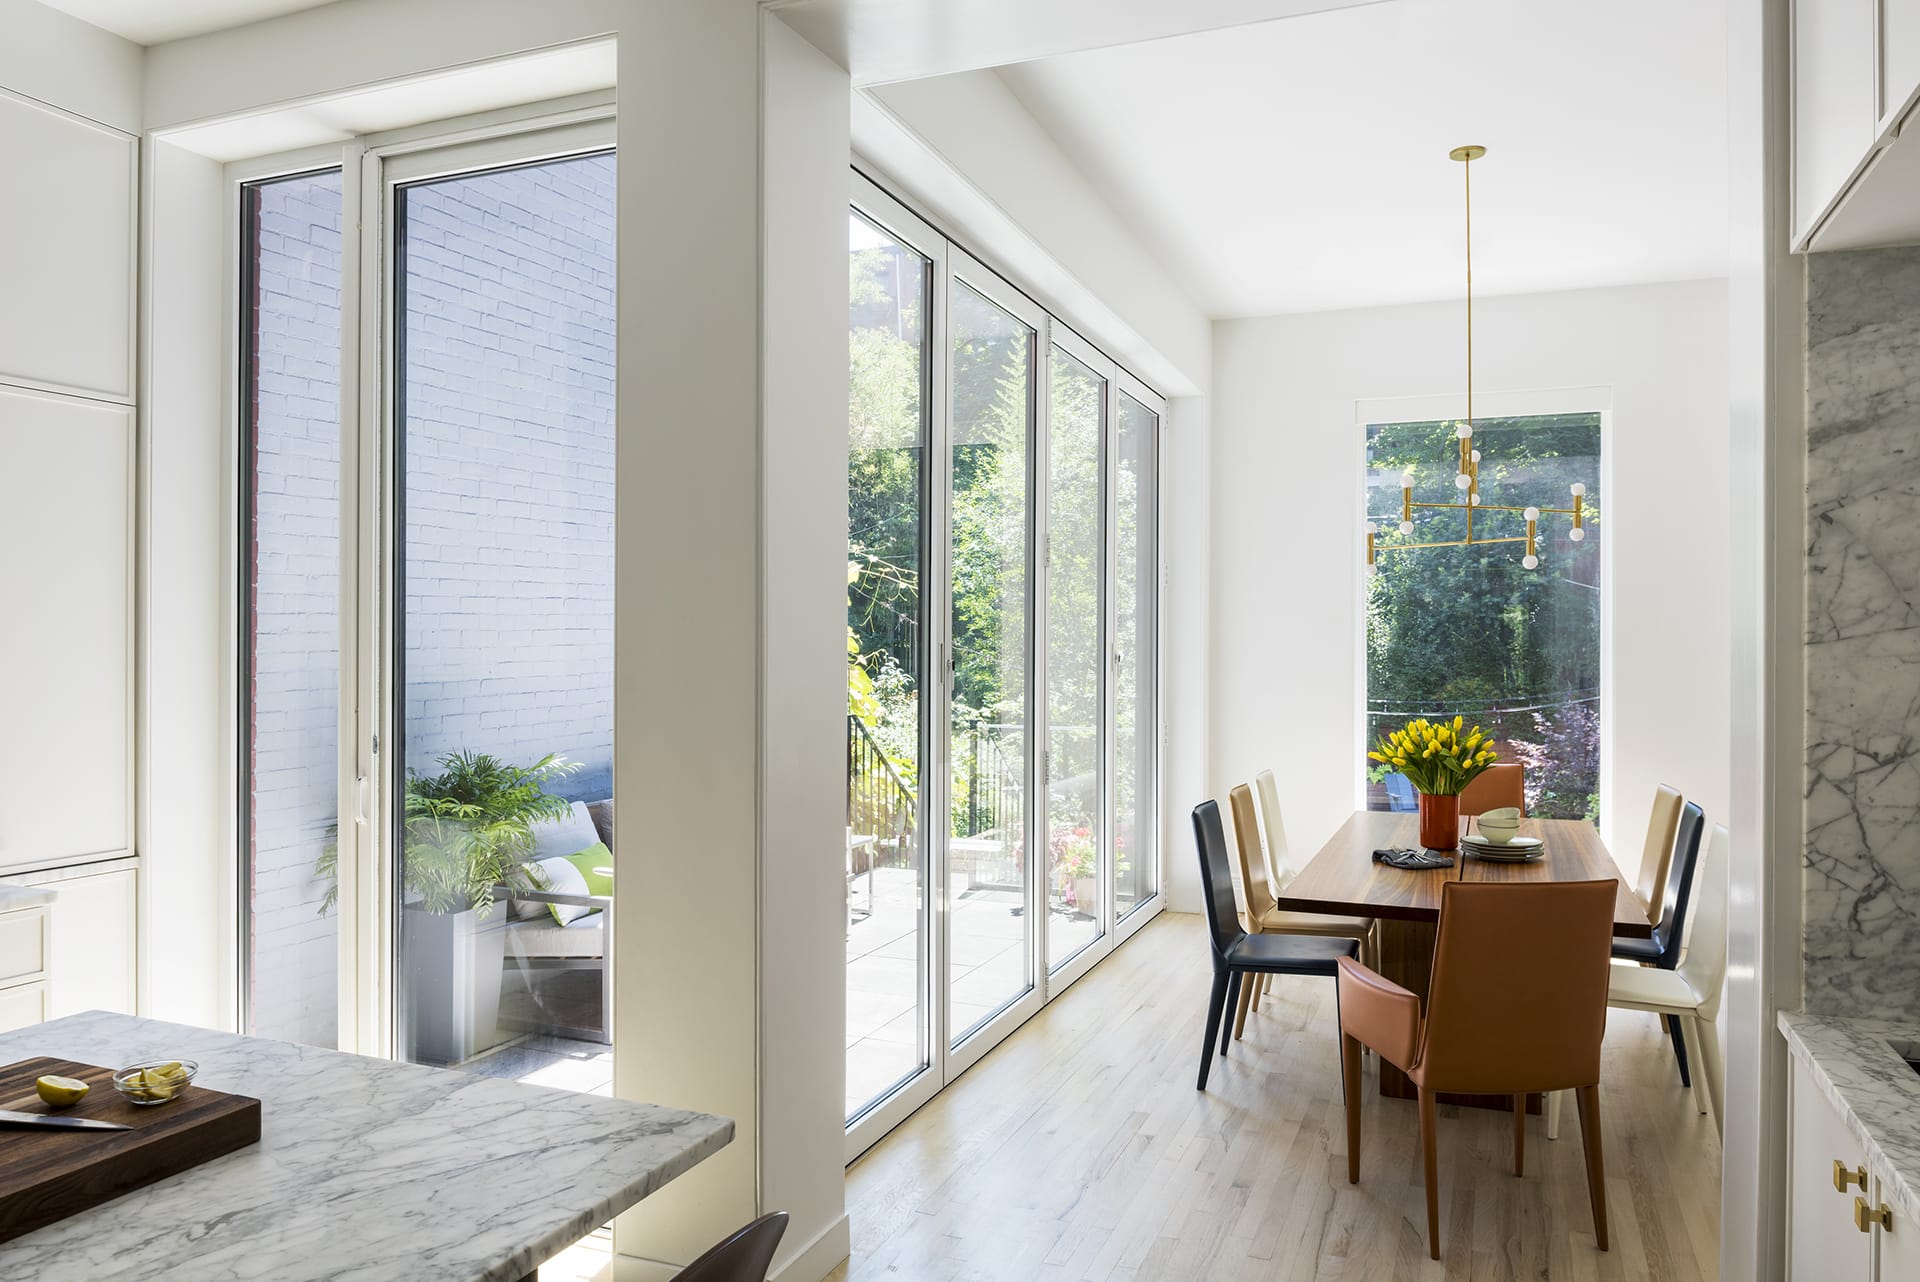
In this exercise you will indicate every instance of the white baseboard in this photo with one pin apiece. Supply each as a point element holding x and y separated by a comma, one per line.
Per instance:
<point>810,1263</point>
<point>817,1258</point>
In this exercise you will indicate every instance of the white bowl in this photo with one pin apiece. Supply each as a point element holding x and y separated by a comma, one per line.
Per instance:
<point>1499,832</point>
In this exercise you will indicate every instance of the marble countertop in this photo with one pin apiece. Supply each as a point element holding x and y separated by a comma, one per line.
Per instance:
<point>13,897</point>
<point>366,1170</point>
<point>1854,1064</point>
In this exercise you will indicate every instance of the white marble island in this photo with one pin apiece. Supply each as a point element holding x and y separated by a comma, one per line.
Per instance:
<point>366,1169</point>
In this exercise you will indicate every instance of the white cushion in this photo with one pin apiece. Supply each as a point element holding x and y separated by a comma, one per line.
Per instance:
<point>578,938</point>
<point>562,879</point>
<point>570,834</point>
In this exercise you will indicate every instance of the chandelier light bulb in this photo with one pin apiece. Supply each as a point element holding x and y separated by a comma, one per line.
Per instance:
<point>1462,481</point>
<point>1406,479</point>
<point>1530,562</point>
<point>1406,527</point>
<point>1577,534</point>
<point>1476,456</point>
<point>1532,514</point>
<point>1577,488</point>
<point>1372,569</point>
<point>1464,432</point>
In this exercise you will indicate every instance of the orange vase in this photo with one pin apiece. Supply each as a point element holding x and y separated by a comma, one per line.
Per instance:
<point>1439,821</point>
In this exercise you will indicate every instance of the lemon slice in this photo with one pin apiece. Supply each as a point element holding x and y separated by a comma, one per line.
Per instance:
<point>61,1092</point>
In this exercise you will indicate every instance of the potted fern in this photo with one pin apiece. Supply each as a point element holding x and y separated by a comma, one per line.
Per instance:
<point>467,835</point>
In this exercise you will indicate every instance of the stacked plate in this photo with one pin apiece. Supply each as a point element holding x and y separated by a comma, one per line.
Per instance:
<point>1517,850</point>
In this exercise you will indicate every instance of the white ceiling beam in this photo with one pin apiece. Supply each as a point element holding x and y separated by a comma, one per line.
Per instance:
<point>883,41</point>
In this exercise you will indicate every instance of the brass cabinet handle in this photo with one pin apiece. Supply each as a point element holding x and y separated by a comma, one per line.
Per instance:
<point>1864,1219</point>
<point>1845,1177</point>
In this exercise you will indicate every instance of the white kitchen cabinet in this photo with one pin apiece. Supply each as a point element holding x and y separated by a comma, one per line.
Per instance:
<point>1823,1243</point>
<point>1898,1242</point>
<point>67,229</point>
<point>66,478</point>
<point>1834,107</point>
<point>92,959</point>
<point>1898,31</point>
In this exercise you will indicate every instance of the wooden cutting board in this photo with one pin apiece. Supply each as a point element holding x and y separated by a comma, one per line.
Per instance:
<point>49,1175</point>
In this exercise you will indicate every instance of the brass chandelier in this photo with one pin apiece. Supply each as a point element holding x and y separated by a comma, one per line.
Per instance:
<point>1467,474</point>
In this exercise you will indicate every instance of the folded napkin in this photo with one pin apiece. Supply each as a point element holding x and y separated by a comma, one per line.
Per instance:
<point>1414,859</point>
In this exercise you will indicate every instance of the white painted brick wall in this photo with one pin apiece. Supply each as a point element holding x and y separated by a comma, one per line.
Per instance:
<point>508,456</point>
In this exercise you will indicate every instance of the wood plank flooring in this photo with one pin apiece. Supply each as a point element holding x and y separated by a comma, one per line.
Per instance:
<point>1079,1150</point>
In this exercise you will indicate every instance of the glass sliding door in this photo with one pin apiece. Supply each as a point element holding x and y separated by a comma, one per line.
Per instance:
<point>290,605</point>
<point>1136,572</point>
<point>890,349</point>
<point>1002,617</point>
<point>1077,864</point>
<point>502,612</point>
<point>990,937</point>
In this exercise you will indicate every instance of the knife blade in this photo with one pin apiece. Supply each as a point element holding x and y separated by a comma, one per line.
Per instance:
<point>41,1121</point>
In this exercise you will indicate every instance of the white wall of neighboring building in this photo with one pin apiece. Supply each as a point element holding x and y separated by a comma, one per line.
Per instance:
<point>1288,553</point>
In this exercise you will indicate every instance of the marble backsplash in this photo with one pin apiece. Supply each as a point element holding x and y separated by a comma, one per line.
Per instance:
<point>1862,908</point>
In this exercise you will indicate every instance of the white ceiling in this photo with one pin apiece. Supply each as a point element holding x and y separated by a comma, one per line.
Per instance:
<point>1302,165</point>
<point>151,22</point>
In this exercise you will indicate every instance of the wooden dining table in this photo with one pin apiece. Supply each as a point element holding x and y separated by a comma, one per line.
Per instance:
<point>1344,879</point>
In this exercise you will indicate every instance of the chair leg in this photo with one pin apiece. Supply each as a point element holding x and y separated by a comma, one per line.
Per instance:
<point>1233,999</point>
<point>1430,1163</point>
<point>1553,1113</point>
<point>1258,986</point>
<point>1686,1024</point>
<point>1520,1134</point>
<point>1588,1098</point>
<point>1216,1006</point>
<point>1680,1051</point>
<point>1352,1084</point>
<point>1248,985</point>
<point>1710,1069</point>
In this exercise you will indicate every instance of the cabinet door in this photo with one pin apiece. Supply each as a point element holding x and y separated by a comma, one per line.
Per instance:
<point>1899,1244</point>
<point>92,944</point>
<point>1823,1244</point>
<point>1899,33</point>
<point>65,643</point>
<point>1834,107</point>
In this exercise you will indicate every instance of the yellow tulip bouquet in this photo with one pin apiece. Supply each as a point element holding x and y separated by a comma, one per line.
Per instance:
<point>1437,759</point>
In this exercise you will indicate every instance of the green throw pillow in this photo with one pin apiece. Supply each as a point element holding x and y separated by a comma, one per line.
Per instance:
<point>595,856</point>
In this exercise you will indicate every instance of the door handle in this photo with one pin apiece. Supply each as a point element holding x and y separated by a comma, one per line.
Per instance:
<point>1844,1176</point>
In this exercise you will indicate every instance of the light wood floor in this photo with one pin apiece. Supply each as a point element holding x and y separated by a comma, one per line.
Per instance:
<point>1079,1149</point>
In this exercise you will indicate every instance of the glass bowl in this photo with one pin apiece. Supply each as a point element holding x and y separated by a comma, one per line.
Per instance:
<point>148,1082</point>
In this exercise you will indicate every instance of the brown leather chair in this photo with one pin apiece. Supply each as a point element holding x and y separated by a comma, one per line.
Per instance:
<point>1538,950</point>
<point>1504,783</point>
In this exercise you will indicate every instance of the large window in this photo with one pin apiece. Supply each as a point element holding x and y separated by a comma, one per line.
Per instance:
<point>1002,649</point>
<point>1470,631</point>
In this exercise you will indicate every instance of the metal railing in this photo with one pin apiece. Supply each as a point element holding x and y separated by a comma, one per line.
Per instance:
<point>879,802</point>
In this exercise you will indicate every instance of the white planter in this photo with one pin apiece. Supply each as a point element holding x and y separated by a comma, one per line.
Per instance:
<point>1086,895</point>
<point>450,983</point>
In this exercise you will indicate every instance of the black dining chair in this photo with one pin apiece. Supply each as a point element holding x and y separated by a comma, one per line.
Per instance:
<point>745,1256</point>
<point>1235,952</point>
<point>1663,950</point>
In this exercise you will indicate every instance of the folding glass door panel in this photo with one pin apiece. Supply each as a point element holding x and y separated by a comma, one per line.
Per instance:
<point>501,613</point>
<point>290,605</point>
<point>1136,570</point>
<point>988,872</point>
<point>890,340</point>
<point>1078,862</point>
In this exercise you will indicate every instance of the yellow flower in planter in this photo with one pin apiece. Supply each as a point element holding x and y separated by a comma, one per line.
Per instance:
<point>1434,756</point>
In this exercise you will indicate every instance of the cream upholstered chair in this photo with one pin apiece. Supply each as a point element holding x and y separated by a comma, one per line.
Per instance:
<point>1656,857</point>
<point>1690,994</point>
<point>1264,915</point>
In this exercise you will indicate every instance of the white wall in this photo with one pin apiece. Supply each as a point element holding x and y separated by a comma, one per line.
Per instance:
<point>1288,553</point>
